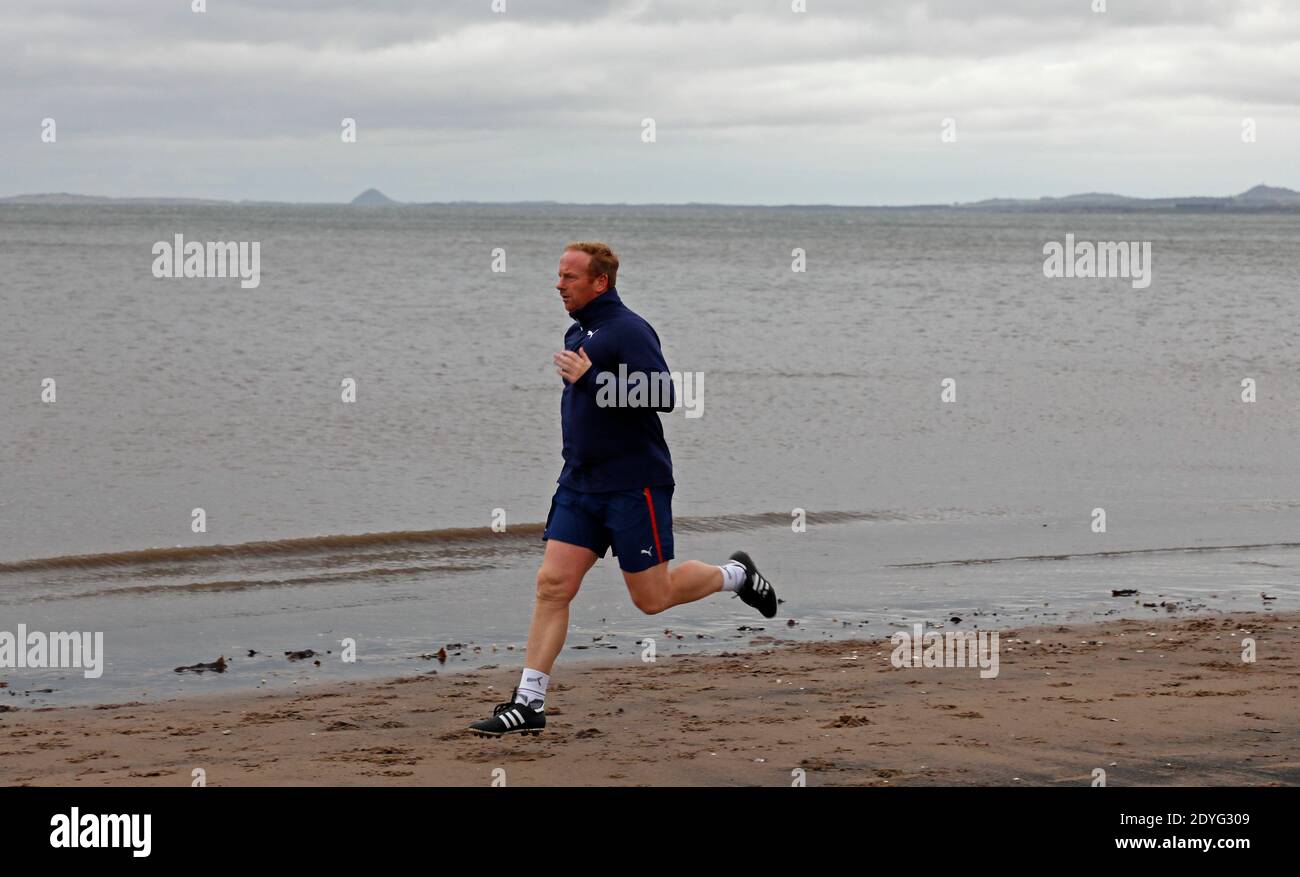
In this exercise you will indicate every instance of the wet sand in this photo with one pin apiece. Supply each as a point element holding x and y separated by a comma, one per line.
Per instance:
<point>1162,702</point>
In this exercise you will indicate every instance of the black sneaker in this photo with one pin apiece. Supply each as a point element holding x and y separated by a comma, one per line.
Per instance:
<point>511,717</point>
<point>756,591</point>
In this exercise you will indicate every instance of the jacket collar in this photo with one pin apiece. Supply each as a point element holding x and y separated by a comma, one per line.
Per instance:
<point>600,306</point>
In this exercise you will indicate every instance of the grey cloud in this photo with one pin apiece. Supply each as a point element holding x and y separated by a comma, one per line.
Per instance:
<point>282,72</point>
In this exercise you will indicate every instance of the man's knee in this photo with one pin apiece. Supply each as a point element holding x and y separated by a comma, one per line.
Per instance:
<point>649,594</point>
<point>554,586</point>
<point>650,604</point>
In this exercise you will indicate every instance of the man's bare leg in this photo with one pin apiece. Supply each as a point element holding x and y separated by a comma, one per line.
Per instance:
<point>658,588</point>
<point>558,580</point>
<point>563,567</point>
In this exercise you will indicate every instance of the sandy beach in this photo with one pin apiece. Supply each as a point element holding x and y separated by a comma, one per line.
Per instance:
<point>1162,702</point>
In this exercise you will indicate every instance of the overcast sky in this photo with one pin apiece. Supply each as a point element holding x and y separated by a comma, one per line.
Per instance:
<point>752,103</point>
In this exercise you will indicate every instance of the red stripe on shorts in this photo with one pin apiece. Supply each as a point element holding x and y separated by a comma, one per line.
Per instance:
<point>654,528</point>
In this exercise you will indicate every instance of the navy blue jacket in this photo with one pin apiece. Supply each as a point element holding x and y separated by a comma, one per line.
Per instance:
<point>613,447</point>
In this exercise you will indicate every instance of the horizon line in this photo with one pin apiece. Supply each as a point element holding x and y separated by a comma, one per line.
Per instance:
<point>552,202</point>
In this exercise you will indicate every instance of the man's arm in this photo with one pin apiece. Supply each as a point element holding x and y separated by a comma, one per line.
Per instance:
<point>642,353</point>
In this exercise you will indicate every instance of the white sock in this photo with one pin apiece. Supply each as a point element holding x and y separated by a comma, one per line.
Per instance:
<point>532,686</point>
<point>733,575</point>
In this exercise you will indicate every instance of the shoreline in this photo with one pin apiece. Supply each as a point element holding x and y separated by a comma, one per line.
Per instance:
<point>1165,701</point>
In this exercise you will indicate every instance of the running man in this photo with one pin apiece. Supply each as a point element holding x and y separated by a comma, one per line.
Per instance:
<point>616,488</point>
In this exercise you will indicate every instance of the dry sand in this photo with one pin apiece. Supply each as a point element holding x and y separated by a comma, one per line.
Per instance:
<point>1179,707</point>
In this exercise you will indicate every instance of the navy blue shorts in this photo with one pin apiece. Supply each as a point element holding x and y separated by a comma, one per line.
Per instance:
<point>637,524</point>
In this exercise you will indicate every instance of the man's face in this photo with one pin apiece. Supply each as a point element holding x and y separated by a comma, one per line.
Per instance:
<point>576,285</point>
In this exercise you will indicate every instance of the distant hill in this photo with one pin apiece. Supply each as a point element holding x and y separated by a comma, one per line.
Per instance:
<point>373,198</point>
<point>1259,198</point>
<point>66,198</point>
<point>1262,194</point>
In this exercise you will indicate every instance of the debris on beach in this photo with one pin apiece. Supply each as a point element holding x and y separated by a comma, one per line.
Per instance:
<point>299,656</point>
<point>217,666</point>
<point>848,721</point>
<point>1124,592</point>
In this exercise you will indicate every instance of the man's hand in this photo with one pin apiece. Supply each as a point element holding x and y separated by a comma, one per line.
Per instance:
<point>570,365</point>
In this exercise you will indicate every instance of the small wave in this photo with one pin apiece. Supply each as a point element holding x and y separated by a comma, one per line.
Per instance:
<point>1188,549</point>
<point>350,577</point>
<point>305,545</point>
<point>457,540</point>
